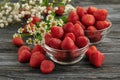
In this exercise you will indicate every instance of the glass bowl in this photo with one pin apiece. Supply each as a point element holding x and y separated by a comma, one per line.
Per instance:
<point>97,36</point>
<point>66,57</point>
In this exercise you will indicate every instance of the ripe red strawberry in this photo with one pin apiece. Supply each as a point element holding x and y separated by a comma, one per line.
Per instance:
<point>81,24</point>
<point>81,41</point>
<point>60,10</point>
<point>48,36</point>
<point>71,35</point>
<point>74,55</point>
<point>77,30</point>
<point>73,17</point>
<point>67,44</point>
<point>60,56</point>
<point>57,32</point>
<point>47,66</point>
<point>24,56</point>
<point>100,14</point>
<point>36,59</point>
<point>81,11</point>
<point>36,19</point>
<point>91,10</point>
<point>97,59</point>
<point>25,29</point>
<point>91,32</point>
<point>96,38</point>
<point>23,48</point>
<point>102,24</point>
<point>18,41</point>
<point>38,48</point>
<point>88,20</point>
<point>90,51</point>
<point>68,27</point>
<point>55,43</point>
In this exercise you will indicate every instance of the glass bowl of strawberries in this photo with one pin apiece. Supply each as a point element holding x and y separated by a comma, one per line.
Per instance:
<point>97,33</point>
<point>65,47</point>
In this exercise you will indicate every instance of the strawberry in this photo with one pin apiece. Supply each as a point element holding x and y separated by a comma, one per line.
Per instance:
<point>102,24</point>
<point>36,19</point>
<point>88,20</point>
<point>24,56</point>
<point>36,59</point>
<point>100,14</point>
<point>47,66</point>
<point>60,56</point>
<point>60,10</point>
<point>81,41</point>
<point>91,10</point>
<point>91,31</point>
<point>71,35</point>
<point>57,32</point>
<point>67,44</point>
<point>55,43</point>
<point>48,36</point>
<point>38,48</point>
<point>29,24</point>
<point>68,27</point>
<point>73,17</point>
<point>90,51</point>
<point>96,38</point>
<point>25,29</point>
<point>81,11</point>
<point>97,59</point>
<point>81,24</point>
<point>23,48</point>
<point>77,30</point>
<point>18,41</point>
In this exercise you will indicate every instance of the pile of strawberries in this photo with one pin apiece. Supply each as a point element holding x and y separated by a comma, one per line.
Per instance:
<point>36,58</point>
<point>91,20</point>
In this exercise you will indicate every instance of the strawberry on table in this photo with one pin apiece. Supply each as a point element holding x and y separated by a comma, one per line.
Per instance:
<point>36,59</point>
<point>60,10</point>
<point>88,20</point>
<point>38,48</point>
<point>57,32</point>
<point>18,41</point>
<point>24,56</point>
<point>81,11</point>
<point>102,24</point>
<point>47,66</point>
<point>23,48</point>
<point>73,17</point>
<point>97,59</point>
<point>100,14</point>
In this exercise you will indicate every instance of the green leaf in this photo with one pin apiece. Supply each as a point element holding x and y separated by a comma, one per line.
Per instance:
<point>45,2</point>
<point>64,18</point>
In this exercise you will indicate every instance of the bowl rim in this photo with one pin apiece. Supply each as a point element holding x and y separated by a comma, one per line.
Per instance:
<point>101,29</point>
<point>53,49</point>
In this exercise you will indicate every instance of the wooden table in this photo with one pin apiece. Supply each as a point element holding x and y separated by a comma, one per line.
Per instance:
<point>11,69</point>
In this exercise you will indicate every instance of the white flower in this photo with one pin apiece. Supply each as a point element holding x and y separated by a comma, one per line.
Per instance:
<point>64,1</point>
<point>20,30</point>
<point>42,30</point>
<point>29,41</point>
<point>50,17</point>
<point>60,22</point>
<point>16,35</point>
<point>43,25</point>
<point>1,15</point>
<point>9,20</point>
<point>53,23</point>
<point>36,41</point>
<point>2,25</point>
<point>55,8</point>
<point>29,29</point>
<point>49,12</point>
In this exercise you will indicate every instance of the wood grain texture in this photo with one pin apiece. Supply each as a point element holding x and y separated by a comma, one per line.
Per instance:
<point>11,69</point>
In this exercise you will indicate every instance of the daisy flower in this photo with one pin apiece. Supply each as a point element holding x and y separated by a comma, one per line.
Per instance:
<point>29,41</point>
<point>53,23</point>
<point>20,30</point>
<point>16,35</point>
<point>36,41</point>
<point>50,17</point>
<point>42,31</point>
<point>43,25</point>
